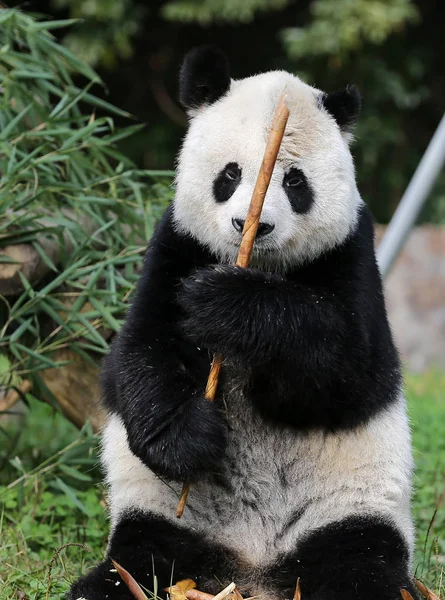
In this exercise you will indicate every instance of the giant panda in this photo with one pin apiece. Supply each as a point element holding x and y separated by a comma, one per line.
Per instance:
<point>302,466</point>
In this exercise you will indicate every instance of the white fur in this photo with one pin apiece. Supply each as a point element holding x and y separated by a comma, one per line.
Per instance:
<point>332,476</point>
<point>235,129</point>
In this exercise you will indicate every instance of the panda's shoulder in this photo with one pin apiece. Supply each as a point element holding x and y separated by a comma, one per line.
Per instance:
<point>351,264</point>
<point>364,231</point>
<point>165,231</point>
<point>170,244</point>
<point>358,251</point>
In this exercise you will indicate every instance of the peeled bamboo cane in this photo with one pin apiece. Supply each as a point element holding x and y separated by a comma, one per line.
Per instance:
<point>248,238</point>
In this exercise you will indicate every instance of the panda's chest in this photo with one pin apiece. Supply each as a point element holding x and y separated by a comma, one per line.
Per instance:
<point>258,454</point>
<point>260,488</point>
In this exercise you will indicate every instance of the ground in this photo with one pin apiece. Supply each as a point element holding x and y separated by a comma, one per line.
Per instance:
<point>51,495</point>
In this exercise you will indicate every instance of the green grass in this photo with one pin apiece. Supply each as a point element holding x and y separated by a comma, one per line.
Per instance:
<point>51,495</point>
<point>426,396</point>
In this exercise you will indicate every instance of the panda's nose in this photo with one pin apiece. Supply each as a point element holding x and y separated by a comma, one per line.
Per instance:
<point>263,228</point>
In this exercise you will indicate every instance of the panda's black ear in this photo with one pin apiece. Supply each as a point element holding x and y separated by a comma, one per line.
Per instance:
<point>204,77</point>
<point>344,106</point>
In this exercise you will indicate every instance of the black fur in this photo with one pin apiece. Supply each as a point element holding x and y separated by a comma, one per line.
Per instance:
<point>298,190</point>
<point>359,558</point>
<point>142,543</point>
<point>227,181</point>
<point>204,77</point>
<point>315,343</point>
<point>354,559</point>
<point>343,105</point>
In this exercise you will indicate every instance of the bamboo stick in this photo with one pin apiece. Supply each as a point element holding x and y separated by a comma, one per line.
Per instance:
<point>197,595</point>
<point>248,237</point>
<point>225,592</point>
<point>297,594</point>
<point>429,595</point>
<point>229,592</point>
<point>406,595</point>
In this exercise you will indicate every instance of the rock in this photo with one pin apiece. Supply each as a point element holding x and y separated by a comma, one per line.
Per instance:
<point>415,298</point>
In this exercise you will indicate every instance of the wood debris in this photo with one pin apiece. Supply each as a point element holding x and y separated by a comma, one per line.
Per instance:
<point>429,595</point>
<point>130,582</point>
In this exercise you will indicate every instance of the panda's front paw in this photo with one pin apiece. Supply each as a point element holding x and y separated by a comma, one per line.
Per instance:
<point>191,444</point>
<point>228,310</point>
<point>217,303</point>
<point>210,287</point>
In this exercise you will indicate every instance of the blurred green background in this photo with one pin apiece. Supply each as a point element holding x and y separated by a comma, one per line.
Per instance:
<point>392,49</point>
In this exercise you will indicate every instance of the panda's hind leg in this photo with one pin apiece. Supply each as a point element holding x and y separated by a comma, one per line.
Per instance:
<point>146,544</point>
<point>358,558</point>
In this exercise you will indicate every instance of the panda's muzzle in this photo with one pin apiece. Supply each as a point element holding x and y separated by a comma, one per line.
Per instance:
<point>263,228</point>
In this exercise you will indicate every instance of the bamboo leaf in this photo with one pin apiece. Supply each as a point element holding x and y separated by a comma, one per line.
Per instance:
<point>125,133</point>
<point>29,74</point>
<point>429,595</point>
<point>5,15</point>
<point>74,473</point>
<point>56,24</point>
<point>72,60</point>
<point>15,121</point>
<point>68,101</point>
<point>94,334</point>
<point>17,334</point>
<point>106,314</point>
<point>8,260</point>
<point>106,106</point>
<point>66,489</point>
<point>39,357</point>
<point>130,582</point>
<point>44,256</point>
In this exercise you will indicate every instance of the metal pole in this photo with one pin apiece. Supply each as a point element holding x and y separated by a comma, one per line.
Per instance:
<point>412,201</point>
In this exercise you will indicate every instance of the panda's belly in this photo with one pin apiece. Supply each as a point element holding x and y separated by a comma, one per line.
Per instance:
<point>275,484</point>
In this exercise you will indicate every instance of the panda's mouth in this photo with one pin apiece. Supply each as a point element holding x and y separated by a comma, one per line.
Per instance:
<point>265,246</point>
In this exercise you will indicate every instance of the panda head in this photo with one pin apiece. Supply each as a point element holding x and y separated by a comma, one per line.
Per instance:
<point>312,202</point>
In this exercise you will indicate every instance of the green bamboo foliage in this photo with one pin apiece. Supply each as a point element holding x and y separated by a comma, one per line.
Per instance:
<point>206,12</point>
<point>68,192</point>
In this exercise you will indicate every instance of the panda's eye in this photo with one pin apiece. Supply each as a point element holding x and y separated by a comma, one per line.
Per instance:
<point>294,182</point>
<point>226,182</point>
<point>298,190</point>
<point>232,173</point>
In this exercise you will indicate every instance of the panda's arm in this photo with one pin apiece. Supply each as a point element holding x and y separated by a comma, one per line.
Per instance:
<point>253,317</point>
<point>154,378</point>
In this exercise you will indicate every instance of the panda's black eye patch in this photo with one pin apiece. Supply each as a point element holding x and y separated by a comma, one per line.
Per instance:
<point>226,182</point>
<point>298,190</point>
